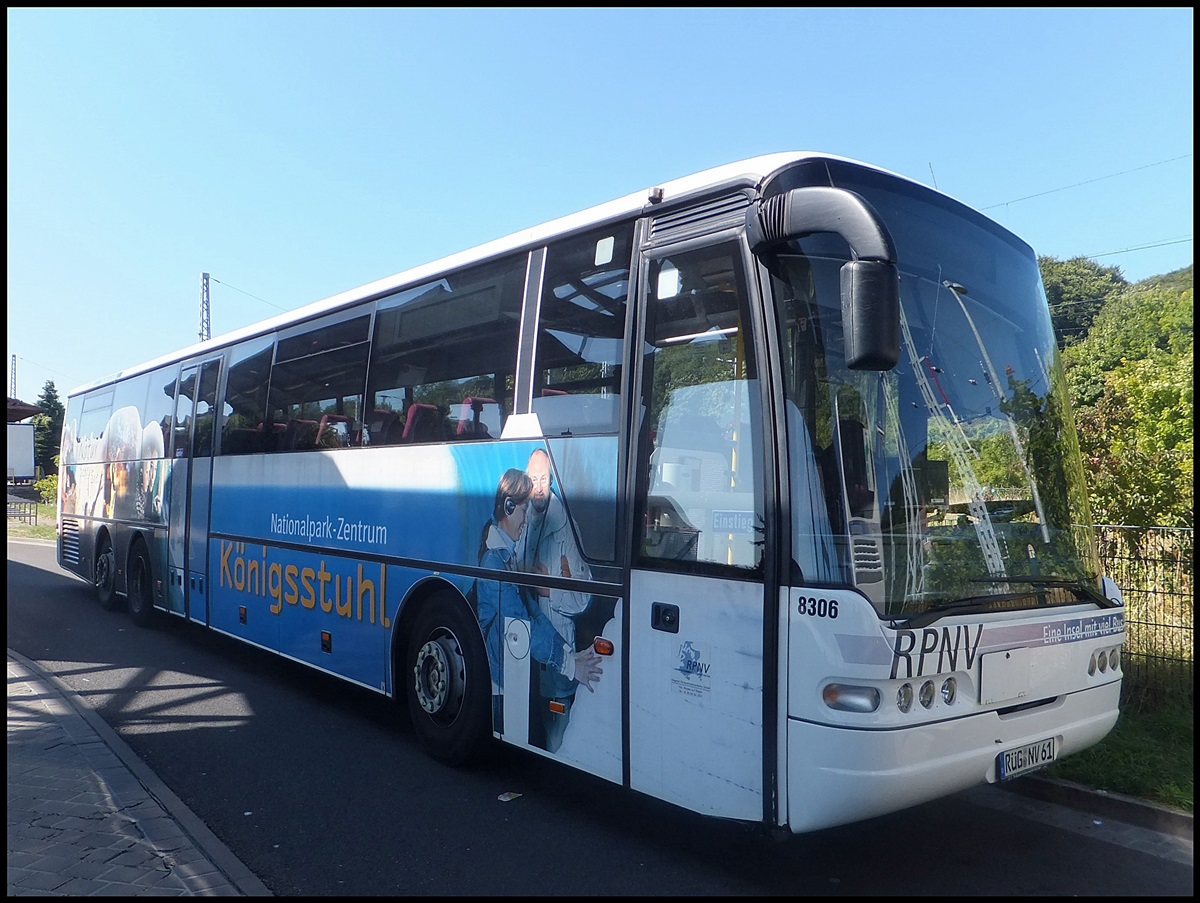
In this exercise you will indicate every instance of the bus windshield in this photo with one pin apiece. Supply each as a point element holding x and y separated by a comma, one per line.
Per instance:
<point>953,479</point>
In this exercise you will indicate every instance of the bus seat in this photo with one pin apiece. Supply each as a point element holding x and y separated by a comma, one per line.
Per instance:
<point>272,435</point>
<point>478,418</point>
<point>300,434</point>
<point>379,427</point>
<point>241,441</point>
<point>422,423</point>
<point>334,430</point>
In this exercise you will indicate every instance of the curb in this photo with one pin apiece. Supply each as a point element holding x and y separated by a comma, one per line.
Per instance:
<point>240,877</point>
<point>1102,803</point>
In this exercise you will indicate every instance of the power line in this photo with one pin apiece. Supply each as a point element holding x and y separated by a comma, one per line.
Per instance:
<point>74,379</point>
<point>1088,182</point>
<point>255,297</point>
<point>1159,244</point>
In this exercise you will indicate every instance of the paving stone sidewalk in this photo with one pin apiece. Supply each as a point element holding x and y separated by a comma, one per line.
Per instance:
<point>86,817</point>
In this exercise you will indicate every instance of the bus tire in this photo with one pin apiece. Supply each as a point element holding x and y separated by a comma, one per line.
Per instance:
<point>141,587</point>
<point>105,574</point>
<point>448,682</point>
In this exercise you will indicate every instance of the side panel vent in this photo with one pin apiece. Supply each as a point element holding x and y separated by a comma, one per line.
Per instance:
<point>868,560</point>
<point>69,541</point>
<point>711,216</point>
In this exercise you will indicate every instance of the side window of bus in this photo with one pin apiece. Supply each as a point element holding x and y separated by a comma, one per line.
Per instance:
<point>131,394</point>
<point>93,418</point>
<point>72,452</point>
<point>123,444</point>
<point>701,495</point>
<point>315,398</point>
<point>181,422</point>
<point>581,333</point>
<point>160,402</point>
<point>245,429</point>
<point>205,409</point>
<point>443,357</point>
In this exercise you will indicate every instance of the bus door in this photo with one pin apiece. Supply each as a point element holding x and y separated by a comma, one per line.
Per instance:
<point>697,596</point>
<point>191,484</point>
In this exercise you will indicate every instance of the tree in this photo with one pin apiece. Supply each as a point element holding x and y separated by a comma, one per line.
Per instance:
<point>1151,319</point>
<point>47,429</point>
<point>1077,290</point>
<point>1137,445</point>
<point>1131,384</point>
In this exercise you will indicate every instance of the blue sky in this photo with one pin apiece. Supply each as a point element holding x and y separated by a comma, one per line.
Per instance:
<point>293,154</point>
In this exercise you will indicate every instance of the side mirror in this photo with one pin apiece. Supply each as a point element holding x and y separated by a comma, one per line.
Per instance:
<point>870,314</point>
<point>870,284</point>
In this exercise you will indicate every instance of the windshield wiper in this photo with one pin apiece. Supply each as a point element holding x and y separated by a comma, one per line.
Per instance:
<point>1083,589</point>
<point>939,610</point>
<point>983,602</point>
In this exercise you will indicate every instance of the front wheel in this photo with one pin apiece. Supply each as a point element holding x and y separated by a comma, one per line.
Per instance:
<point>448,682</point>
<point>141,588</point>
<point>105,576</point>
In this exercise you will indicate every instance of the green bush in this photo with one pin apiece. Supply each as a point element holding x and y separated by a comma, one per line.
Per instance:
<point>47,487</point>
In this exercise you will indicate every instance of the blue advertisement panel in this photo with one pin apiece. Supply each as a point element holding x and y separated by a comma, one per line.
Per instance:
<point>427,503</point>
<point>313,555</point>
<point>331,611</point>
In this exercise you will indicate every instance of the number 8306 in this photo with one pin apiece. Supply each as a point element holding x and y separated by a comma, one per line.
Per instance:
<point>817,608</point>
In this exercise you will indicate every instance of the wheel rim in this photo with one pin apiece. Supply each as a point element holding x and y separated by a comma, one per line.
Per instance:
<point>104,569</point>
<point>439,676</point>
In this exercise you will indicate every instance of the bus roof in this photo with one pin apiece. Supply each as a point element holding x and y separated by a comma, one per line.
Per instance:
<point>748,172</point>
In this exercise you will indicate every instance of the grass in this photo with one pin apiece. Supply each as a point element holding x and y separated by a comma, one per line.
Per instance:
<point>44,529</point>
<point>1148,755</point>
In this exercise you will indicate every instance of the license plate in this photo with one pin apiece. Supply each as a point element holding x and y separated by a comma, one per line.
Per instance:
<point>1015,762</point>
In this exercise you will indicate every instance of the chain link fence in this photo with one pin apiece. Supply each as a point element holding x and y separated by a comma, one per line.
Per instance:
<point>1154,568</point>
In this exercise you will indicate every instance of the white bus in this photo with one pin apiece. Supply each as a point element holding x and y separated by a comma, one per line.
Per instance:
<point>756,491</point>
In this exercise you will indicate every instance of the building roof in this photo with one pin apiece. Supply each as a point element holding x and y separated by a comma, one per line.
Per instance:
<point>19,410</point>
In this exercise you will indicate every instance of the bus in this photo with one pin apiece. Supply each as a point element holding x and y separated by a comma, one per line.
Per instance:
<point>756,491</point>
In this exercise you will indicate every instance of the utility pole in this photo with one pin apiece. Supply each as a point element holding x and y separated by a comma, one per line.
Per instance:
<point>205,332</point>
<point>12,383</point>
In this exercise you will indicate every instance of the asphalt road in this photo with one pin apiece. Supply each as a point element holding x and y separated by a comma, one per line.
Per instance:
<point>320,788</point>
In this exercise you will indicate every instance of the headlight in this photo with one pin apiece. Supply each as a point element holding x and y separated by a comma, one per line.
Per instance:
<point>926,695</point>
<point>847,698</point>
<point>949,690</point>
<point>904,697</point>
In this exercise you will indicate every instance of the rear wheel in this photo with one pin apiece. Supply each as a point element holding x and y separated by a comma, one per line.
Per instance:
<point>141,587</point>
<point>105,574</point>
<point>448,685</point>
